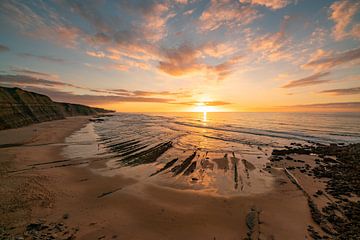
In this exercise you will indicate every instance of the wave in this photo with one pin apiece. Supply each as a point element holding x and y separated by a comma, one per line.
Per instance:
<point>270,133</point>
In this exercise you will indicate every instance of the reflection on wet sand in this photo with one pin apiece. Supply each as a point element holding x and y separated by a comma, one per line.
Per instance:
<point>157,156</point>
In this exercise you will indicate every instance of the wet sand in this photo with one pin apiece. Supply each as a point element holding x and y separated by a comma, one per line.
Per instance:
<point>66,199</point>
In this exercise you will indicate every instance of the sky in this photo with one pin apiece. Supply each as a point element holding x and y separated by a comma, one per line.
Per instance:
<point>185,55</point>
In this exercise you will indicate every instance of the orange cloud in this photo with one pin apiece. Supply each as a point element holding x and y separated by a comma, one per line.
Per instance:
<point>187,60</point>
<point>224,69</point>
<point>273,46</point>
<point>273,4</point>
<point>98,54</point>
<point>342,13</point>
<point>227,13</point>
<point>181,61</point>
<point>219,50</point>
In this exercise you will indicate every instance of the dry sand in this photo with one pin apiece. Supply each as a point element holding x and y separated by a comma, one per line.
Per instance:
<point>90,206</point>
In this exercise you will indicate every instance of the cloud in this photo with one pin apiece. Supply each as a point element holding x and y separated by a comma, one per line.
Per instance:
<point>62,96</point>
<point>218,50</point>
<point>189,12</point>
<point>160,93</point>
<point>56,90</point>
<point>321,107</point>
<point>343,91</point>
<point>307,81</point>
<point>98,54</point>
<point>224,69</point>
<point>30,72</point>
<point>342,13</point>
<point>42,58</point>
<point>187,60</point>
<point>327,61</point>
<point>89,11</point>
<point>52,28</point>
<point>273,46</point>
<point>226,13</point>
<point>180,61</point>
<point>337,105</point>
<point>273,4</point>
<point>4,48</point>
<point>24,80</point>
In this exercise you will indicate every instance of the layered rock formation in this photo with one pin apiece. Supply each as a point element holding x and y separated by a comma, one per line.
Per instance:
<point>20,108</point>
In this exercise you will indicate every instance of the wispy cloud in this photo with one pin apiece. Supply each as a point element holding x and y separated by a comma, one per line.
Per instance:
<point>24,80</point>
<point>54,28</point>
<point>31,72</point>
<point>334,60</point>
<point>307,81</point>
<point>273,46</point>
<point>343,91</point>
<point>42,58</point>
<point>226,13</point>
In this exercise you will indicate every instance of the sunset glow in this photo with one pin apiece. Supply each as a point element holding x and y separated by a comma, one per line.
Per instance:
<point>192,55</point>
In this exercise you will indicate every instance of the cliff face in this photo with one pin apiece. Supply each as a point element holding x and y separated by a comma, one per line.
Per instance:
<point>20,108</point>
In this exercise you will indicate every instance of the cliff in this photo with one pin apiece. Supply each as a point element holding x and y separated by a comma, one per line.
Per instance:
<point>20,108</point>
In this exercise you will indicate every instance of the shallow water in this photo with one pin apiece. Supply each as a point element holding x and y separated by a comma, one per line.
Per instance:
<point>221,153</point>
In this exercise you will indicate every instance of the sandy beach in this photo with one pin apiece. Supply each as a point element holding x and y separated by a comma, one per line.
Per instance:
<point>47,196</point>
<point>179,120</point>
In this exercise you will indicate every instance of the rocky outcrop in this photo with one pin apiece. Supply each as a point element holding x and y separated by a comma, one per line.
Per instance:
<point>20,108</point>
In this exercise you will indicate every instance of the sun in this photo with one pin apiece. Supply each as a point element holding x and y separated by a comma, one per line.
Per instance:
<point>202,108</point>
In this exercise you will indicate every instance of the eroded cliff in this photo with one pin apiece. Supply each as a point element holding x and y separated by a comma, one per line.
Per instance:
<point>20,108</point>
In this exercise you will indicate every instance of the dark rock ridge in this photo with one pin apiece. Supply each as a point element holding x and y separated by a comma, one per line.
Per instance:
<point>20,108</point>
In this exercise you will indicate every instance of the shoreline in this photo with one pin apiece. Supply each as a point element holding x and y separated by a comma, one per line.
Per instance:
<point>85,205</point>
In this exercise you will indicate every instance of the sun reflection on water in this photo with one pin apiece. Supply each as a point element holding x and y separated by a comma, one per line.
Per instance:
<point>204,116</point>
